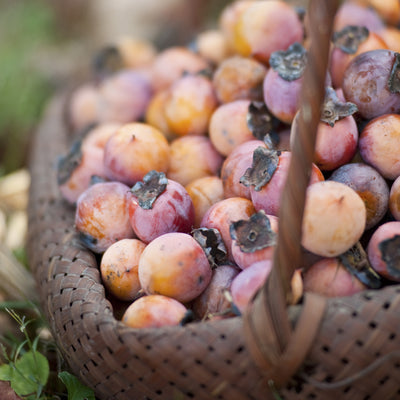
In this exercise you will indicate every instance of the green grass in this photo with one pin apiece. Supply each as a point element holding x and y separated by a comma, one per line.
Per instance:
<point>31,362</point>
<point>28,360</point>
<point>25,27</point>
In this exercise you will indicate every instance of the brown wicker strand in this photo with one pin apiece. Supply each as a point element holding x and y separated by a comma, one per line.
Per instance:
<point>273,334</point>
<point>358,375</point>
<point>288,251</point>
<point>286,364</point>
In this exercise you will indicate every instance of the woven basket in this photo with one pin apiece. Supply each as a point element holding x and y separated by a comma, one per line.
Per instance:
<point>342,348</point>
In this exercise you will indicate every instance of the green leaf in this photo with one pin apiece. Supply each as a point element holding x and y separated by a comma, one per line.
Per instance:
<point>30,374</point>
<point>76,389</point>
<point>20,349</point>
<point>6,372</point>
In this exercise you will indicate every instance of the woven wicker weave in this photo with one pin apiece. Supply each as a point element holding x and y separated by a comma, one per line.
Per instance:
<point>354,354</point>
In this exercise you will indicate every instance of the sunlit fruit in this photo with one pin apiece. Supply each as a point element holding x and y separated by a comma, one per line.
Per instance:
<point>174,265</point>
<point>334,218</point>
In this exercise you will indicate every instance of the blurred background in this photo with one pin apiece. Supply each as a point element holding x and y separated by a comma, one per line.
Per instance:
<point>44,44</point>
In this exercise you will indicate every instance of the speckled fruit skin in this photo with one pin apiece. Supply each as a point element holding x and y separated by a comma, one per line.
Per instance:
<point>334,218</point>
<point>172,211</point>
<point>328,277</point>
<point>388,230</point>
<point>370,186</point>
<point>133,151</point>
<point>339,60</point>
<point>176,266</point>
<point>119,268</point>
<point>223,213</point>
<point>365,83</point>
<point>101,215</point>
<point>379,143</point>
<point>154,311</point>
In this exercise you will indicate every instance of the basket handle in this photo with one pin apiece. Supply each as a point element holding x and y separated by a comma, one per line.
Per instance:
<point>267,327</point>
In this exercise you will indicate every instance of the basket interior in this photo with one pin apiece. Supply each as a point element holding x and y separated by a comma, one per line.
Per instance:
<point>354,356</point>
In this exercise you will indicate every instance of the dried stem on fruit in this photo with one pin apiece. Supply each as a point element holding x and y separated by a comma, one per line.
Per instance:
<point>289,64</point>
<point>154,183</point>
<point>262,124</point>
<point>253,234</point>
<point>333,109</point>
<point>390,249</point>
<point>394,78</point>
<point>349,38</point>
<point>355,260</point>
<point>211,242</point>
<point>265,162</point>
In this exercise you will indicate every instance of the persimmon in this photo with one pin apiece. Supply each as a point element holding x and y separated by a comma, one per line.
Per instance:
<point>204,192</point>
<point>119,268</point>
<point>134,150</point>
<point>223,213</point>
<point>174,265</point>
<point>154,311</point>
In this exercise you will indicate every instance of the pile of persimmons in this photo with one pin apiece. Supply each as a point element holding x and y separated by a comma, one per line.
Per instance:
<point>180,156</point>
